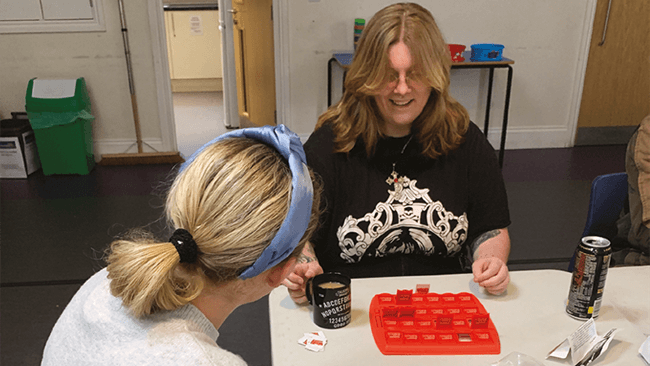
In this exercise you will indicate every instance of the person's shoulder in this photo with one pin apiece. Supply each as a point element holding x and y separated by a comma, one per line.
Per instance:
<point>473,131</point>
<point>322,135</point>
<point>96,287</point>
<point>475,148</point>
<point>644,130</point>
<point>179,350</point>
<point>642,149</point>
<point>320,141</point>
<point>645,123</point>
<point>209,353</point>
<point>221,357</point>
<point>182,338</point>
<point>473,138</point>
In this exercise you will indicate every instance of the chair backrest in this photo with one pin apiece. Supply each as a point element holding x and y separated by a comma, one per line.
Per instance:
<point>608,195</point>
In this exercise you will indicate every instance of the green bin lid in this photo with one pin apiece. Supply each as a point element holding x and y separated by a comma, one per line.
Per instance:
<point>78,102</point>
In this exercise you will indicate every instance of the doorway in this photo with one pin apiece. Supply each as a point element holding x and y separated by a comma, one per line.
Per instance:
<point>194,54</point>
<point>280,36</point>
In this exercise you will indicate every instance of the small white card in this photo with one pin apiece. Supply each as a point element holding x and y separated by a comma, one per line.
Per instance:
<point>581,342</point>
<point>644,350</point>
<point>314,341</point>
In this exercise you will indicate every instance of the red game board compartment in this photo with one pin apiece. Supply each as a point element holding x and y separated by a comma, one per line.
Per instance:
<point>424,323</point>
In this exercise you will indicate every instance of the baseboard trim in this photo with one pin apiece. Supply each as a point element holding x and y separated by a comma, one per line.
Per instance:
<point>196,85</point>
<point>44,283</point>
<point>124,146</point>
<point>618,135</point>
<point>531,137</point>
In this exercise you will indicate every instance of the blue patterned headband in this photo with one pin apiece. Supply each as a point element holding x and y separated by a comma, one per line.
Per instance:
<point>295,224</point>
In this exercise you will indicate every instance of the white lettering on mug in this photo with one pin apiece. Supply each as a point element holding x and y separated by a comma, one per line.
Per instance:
<point>329,304</point>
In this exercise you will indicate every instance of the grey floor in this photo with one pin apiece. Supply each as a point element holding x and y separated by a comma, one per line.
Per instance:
<point>199,118</point>
<point>55,229</point>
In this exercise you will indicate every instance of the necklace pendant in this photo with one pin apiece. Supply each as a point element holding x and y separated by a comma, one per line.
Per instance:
<point>393,178</point>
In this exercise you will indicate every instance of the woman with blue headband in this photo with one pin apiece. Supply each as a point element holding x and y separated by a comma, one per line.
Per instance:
<point>242,208</point>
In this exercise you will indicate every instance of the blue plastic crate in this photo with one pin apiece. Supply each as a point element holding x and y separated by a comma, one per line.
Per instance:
<point>487,52</point>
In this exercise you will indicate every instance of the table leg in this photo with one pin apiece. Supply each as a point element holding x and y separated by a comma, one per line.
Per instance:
<point>505,117</point>
<point>329,81</point>
<point>489,102</point>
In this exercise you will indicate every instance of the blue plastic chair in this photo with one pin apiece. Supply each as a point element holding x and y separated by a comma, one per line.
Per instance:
<point>608,195</point>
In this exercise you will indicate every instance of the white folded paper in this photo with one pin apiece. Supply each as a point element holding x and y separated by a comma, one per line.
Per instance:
<point>581,342</point>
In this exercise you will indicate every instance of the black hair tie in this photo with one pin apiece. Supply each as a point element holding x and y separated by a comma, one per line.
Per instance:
<point>185,245</point>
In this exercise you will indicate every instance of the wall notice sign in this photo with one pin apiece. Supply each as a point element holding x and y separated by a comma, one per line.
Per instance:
<point>196,25</point>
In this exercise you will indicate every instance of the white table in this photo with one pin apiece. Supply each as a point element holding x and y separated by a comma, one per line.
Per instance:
<point>530,318</point>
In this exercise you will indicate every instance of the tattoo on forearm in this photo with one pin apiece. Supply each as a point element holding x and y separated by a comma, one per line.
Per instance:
<point>485,237</point>
<point>302,258</point>
<point>307,255</point>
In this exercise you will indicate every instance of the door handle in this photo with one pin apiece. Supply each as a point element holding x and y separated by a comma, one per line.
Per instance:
<point>609,7</point>
<point>234,17</point>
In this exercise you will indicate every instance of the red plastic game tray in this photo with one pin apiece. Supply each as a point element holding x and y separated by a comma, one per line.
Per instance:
<point>425,323</point>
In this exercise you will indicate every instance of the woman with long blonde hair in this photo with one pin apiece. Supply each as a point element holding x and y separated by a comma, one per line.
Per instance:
<point>242,208</point>
<point>411,186</point>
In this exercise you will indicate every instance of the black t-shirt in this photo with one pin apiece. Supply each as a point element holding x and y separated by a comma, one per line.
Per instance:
<point>418,218</point>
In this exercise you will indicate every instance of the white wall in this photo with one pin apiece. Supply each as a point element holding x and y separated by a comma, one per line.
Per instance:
<point>99,58</point>
<point>546,39</point>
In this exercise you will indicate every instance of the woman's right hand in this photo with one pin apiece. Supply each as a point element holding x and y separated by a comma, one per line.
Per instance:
<point>296,282</point>
<point>307,267</point>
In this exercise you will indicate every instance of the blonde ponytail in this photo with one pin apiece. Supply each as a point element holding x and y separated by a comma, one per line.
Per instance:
<point>232,200</point>
<point>145,276</point>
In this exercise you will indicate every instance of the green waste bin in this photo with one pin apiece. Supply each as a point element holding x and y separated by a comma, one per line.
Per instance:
<point>62,127</point>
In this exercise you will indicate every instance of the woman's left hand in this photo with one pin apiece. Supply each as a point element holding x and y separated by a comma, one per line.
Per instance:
<point>491,273</point>
<point>489,268</point>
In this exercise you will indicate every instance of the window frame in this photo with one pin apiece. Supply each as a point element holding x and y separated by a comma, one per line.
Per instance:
<point>96,24</point>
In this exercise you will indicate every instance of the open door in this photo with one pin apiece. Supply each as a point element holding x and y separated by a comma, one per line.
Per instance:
<point>231,115</point>
<point>254,61</point>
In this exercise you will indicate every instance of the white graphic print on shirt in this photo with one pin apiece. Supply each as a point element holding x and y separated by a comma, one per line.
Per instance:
<point>404,224</point>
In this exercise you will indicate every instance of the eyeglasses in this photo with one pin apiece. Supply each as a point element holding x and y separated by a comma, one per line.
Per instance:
<point>412,77</point>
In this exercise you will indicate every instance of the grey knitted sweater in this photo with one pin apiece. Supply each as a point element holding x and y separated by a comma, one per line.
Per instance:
<point>95,329</point>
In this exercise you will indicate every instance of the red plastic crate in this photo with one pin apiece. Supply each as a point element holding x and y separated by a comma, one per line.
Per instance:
<point>424,323</point>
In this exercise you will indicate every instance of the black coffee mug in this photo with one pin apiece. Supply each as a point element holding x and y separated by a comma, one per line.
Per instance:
<point>329,293</point>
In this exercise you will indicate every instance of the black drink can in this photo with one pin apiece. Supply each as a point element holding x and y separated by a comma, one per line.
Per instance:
<point>588,280</point>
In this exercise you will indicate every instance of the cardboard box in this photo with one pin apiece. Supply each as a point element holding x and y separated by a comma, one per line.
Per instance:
<point>18,152</point>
